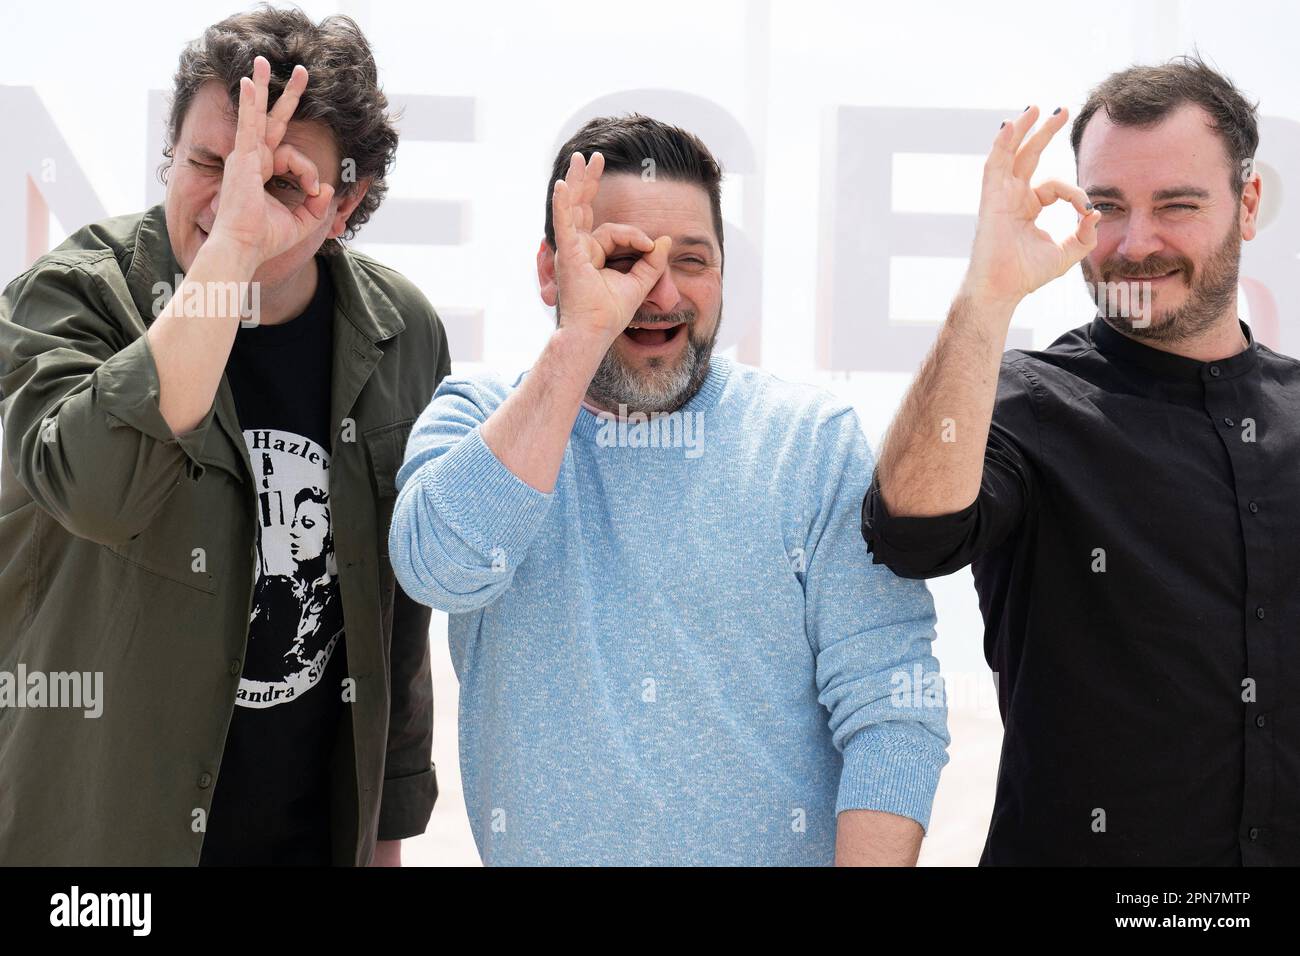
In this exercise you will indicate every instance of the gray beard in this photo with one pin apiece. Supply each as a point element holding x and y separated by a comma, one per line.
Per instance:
<point>661,388</point>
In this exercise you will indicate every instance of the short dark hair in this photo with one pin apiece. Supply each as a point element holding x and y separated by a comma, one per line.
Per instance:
<point>342,90</point>
<point>1144,95</point>
<point>627,142</point>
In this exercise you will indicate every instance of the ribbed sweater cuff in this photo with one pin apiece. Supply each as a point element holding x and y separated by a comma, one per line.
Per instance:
<point>483,501</point>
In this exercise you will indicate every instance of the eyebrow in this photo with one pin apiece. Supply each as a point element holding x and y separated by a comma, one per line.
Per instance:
<point>1173,192</point>
<point>694,241</point>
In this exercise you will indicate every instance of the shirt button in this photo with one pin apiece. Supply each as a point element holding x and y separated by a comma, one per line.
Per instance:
<point>1254,508</point>
<point>1254,833</point>
<point>1260,721</point>
<point>1259,613</point>
<point>1214,370</point>
<point>1229,422</point>
<point>235,668</point>
<point>205,780</point>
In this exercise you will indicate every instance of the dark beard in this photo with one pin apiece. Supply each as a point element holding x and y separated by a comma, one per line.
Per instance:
<point>1213,292</point>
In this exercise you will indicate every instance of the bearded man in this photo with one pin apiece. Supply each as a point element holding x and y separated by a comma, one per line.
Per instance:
<point>1127,496</point>
<point>672,647</point>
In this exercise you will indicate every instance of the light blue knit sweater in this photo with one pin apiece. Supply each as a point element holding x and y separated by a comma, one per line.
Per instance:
<point>682,655</point>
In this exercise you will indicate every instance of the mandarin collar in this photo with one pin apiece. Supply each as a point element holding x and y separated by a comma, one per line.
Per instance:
<point>1167,365</point>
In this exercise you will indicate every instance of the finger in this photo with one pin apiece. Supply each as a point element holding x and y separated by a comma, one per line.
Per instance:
<point>1083,240</point>
<point>566,236</point>
<point>575,176</point>
<point>616,235</point>
<point>287,159</point>
<point>1027,158</point>
<point>245,127</point>
<point>282,112</point>
<point>311,212</point>
<point>1003,153</point>
<point>591,183</point>
<point>580,192</point>
<point>651,266</point>
<point>261,82</point>
<point>1050,190</point>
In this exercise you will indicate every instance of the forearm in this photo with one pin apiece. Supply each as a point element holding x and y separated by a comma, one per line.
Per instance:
<point>933,456</point>
<point>530,431</point>
<point>876,838</point>
<point>191,350</point>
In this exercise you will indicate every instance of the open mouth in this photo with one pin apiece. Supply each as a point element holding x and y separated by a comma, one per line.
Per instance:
<point>1164,275</point>
<point>654,334</point>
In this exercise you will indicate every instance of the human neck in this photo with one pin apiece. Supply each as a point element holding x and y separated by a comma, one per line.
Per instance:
<point>1222,340</point>
<point>290,298</point>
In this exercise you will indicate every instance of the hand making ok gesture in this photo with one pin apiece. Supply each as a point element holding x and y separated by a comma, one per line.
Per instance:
<point>1011,256</point>
<point>247,214</point>
<point>592,296</point>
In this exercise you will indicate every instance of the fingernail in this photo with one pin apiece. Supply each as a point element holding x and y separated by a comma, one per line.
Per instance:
<point>1089,207</point>
<point>1026,109</point>
<point>1055,111</point>
<point>1004,123</point>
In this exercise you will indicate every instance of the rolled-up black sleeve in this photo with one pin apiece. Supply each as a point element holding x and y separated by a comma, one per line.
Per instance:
<point>933,546</point>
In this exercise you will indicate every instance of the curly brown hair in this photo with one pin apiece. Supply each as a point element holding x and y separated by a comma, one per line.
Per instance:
<point>342,90</point>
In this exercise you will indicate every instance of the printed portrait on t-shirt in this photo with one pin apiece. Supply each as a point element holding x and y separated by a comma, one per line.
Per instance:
<point>297,619</point>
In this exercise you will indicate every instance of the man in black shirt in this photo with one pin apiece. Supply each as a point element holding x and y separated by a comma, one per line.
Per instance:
<point>271,804</point>
<point>1127,496</point>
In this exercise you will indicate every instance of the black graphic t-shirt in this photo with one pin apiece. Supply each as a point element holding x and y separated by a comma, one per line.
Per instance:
<point>272,800</point>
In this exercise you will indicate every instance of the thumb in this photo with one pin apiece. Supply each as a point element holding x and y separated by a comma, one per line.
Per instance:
<point>312,210</point>
<point>651,266</point>
<point>1083,240</point>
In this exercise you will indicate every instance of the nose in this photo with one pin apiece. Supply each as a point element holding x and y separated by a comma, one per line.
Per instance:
<point>664,296</point>
<point>1140,239</point>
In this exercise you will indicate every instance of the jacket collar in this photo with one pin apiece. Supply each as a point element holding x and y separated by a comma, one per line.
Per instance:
<point>363,303</point>
<point>364,316</point>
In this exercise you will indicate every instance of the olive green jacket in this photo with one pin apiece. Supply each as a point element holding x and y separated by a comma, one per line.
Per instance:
<point>102,511</point>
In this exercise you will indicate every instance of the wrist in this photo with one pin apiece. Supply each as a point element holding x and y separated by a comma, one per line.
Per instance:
<point>985,301</point>
<point>230,254</point>
<point>580,349</point>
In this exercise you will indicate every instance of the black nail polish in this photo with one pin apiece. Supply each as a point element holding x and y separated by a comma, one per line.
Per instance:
<point>1055,111</point>
<point>1088,206</point>
<point>1026,109</point>
<point>1003,123</point>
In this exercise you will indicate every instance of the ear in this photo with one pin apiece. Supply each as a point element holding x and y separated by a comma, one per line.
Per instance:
<point>546,273</point>
<point>346,205</point>
<point>1250,197</point>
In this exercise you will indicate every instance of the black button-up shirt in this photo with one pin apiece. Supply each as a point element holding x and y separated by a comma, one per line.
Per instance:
<point>1136,549</point>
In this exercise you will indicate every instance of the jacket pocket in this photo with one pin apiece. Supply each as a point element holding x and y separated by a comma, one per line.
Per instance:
<point>386,445</point>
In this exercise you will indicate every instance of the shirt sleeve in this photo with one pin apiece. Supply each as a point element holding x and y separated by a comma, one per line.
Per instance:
<point>929,547</point>
<point>463,522</point>
<point>871,632</point>
<point>83,431</point>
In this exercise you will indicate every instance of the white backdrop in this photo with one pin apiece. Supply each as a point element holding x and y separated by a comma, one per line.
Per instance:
<point>852,135</point>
